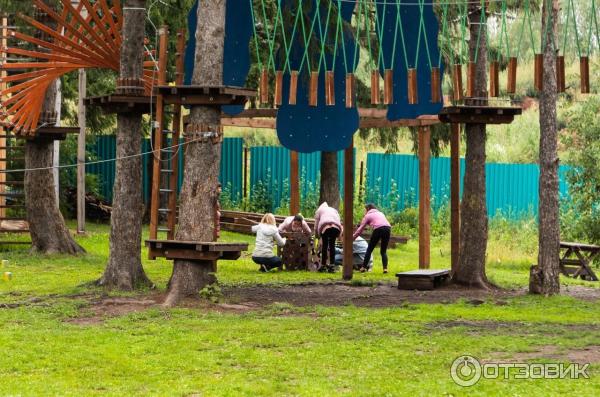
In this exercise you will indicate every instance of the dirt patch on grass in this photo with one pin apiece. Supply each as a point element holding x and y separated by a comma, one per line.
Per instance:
<point>99,309</point>
<point>588,354</point>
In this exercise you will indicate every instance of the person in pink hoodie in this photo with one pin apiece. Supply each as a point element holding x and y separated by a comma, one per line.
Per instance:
<point>382,230</point>
<point>328,227</point>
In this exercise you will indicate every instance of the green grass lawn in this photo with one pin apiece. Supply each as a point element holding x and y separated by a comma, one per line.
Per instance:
<point>278,349</point>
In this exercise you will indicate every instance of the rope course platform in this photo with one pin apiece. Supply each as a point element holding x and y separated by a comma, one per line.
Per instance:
<point>472,114</point>
<point>194,250</point>
<point>114,103</point>
<point>204,95</point>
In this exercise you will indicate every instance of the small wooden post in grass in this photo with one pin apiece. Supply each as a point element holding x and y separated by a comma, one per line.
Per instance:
<point>455,195</point>
<point>294,184</point>
<point>348,210</point>
<point>424,196</point>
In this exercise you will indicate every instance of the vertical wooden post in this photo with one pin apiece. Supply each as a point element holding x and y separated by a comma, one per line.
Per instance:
<point>511,85</point>
<point>350,83</point>
<point>413,90</point>
<point>388,87</point>
<point>294,183</point>
<point>455,196</point>
<point>293,87</point>
<point>538,80</point>
<point>436,85</point>
<point>424,196</point>
<point>560,74</point>
<point>245,172</point>
<point>457,82</point>
<point>329,88</point>
<point>348,211</point>
<point>264,86</point>
<point>81,152</point>
<point>278,99</point>
<point>3,141</point>
<point>375,87</point>
<point>361,181</point>
<point>313,94</point>
<point>584,67</point>
<point>177,115</point>
<point>162,76</point>
<point>494,79</point>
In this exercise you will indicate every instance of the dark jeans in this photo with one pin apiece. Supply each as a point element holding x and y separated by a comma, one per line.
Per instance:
<point>269,263</point>
<point>329,238</point>
<point>381,233</point>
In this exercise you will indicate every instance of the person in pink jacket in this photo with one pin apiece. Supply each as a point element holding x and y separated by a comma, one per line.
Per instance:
<point>328,226</point>
<point>382,230</point>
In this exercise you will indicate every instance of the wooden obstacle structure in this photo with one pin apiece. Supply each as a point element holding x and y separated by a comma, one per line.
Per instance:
<point>577,258</point>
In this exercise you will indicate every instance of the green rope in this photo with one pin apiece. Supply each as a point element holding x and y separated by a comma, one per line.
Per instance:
<point>356,49</point>
<point>463,28</point>
<point>339,31</point>
<point>595,14</point>
<point>504,33</point>
<point>482,20</point>
<point>592,17</point>
<point>255,35</point>
<point>422,24</point>
<point>324,39</point>
<point>379,29</point>
<point>549,22</point>
<point>368,32</point>
<point>521,33</point>
<point>528,10</point>
<point>399,24</point>
<point>270,40</point>
<point>289,49</point>
<point>574,27</point>
<point>285,44</point>
<point>307,41</point>
<point>444,32</point>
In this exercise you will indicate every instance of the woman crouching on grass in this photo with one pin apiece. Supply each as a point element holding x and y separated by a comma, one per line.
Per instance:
<point>266,236</point>
<point>382,230</point>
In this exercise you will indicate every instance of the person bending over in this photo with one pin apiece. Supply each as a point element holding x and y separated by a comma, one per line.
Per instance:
<point>359,249</point>
<point>382,230</point>
<point>266,236</point>
<point>328,227</point>
<point>294,224</point>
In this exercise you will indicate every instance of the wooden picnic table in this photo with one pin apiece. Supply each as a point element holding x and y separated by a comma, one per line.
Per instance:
<point>576,259</point>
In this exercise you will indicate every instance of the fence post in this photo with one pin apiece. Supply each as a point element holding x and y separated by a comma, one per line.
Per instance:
<point>245,173</point>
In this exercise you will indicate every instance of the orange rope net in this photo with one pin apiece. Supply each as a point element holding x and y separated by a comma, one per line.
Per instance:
<point>86,36</point>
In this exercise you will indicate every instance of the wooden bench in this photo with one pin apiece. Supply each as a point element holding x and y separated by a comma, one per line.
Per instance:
<point>576,260</point>
<point>423,279</point>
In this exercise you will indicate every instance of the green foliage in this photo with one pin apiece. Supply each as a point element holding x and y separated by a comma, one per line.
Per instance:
<point>583,147</point>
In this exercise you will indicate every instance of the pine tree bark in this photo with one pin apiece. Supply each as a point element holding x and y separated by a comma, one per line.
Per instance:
<point>124,269</point>
<point>330,183</point>
<point>49,234</point>
<point>474,221</point>
<point>202,158</point>
<point>545,278</point>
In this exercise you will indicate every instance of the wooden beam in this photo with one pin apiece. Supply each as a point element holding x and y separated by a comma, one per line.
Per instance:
<point>348,211</point>
<point>294,183</point>
<point>248,122</point>
<point>3,85</point>
<point>455,196</point>
<point>82,85</point>
<point>424,197</point>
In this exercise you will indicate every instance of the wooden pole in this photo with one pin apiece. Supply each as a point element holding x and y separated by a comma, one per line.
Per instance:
<point>156,165</point>
<point>81,152</point>
<point>424,197</point>
<point>245,172</point>
<point>294,184</point>
<point>3,141</point>
<point>455,196</point>
<point>361,181</point>
<point>348,211</point>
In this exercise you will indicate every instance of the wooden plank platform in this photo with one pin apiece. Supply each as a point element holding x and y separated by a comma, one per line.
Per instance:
<point>477,114</point>
<point>204,95</point>
<point>111,104</point>
<point>194,250</point>
<point>423,279</point>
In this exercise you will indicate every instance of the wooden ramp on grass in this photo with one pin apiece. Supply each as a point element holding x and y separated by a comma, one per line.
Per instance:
<point>422,279</point>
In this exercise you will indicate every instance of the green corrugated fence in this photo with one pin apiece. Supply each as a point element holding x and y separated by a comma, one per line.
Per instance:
<point>104,148</point>
<point>512,189</point>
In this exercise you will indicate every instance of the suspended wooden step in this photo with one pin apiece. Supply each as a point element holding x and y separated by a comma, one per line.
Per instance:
<point>584,66</point>
<point>436,93</point>
<point>560,74</point>
<point>278,99</point>
<point>329,88</point>
<point>511,86</point>
<point>293,87</point>
<point>264,86</point>
<point>539,72</point>
<point>494,79</point>
<point>388,87</point>
<point>457,82</point>
<point>375,87</point>
<point>471,70</point>
<point>314,89</point>
<point>413,90</point>
<point>350,95</point>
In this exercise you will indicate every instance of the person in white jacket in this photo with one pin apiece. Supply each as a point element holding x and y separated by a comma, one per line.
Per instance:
<point>266,236</point>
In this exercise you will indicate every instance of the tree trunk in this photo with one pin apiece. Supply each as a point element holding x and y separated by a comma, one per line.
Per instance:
<point>124,270</point>
<point>547,281</point>
<point>330,183</point>
<point>474,221</point>
<point>49,234</point>
<point>202,158</point>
